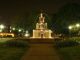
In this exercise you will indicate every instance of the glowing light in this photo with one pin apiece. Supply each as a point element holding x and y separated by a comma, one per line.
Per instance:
<point>19,30</point>
<point>77,25</point>
<point>2,26</point>
<point>13,28</point>
<point>7,34</point>
<point>26,35</point>
<point>41,15</point>
<point>27,31</point>
<point>70,27</point>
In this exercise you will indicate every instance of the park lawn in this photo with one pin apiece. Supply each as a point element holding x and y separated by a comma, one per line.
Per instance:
<point>70,53</point>
<point>11,53</point>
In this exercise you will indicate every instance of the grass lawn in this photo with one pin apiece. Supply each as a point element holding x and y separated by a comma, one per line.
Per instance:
<point>69,49</point>
<point>11,52</point>
<point>70,53</point>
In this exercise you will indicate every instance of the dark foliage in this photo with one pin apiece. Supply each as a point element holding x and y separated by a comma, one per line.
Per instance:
<point>68,43</point>
<point>67,15</point>
<point>16,43</point>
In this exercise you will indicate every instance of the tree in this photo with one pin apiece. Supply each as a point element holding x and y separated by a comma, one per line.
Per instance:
<point>69,14</point>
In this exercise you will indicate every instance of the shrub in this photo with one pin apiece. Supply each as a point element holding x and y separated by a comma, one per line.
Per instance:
<point>68,43</point>
<point>16,43</point>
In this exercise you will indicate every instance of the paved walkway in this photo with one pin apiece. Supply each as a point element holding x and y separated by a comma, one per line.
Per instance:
<point>41,51</point>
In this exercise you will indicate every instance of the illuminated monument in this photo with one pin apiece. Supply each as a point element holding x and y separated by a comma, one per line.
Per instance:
<point>41,30</point>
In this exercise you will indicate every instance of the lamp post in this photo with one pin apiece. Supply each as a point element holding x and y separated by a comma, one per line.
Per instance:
<point>1,27</point>
<point>70,28</point>
<point>78,28</point>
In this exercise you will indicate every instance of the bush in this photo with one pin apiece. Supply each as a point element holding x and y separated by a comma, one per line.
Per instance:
<point>66,43</point>
<point>16,43</point>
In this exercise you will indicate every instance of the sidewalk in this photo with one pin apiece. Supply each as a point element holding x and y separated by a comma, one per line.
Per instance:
<point>41,52</point>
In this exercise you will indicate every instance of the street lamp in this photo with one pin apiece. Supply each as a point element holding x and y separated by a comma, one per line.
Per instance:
<point>26,34</point>
<point>19,30</point>
<point>78,28</point>
<point>13,28</point>
<point>1,26</point>
<point>70,27</point>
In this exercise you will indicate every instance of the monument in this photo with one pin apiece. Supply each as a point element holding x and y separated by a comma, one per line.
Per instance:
<point>41,30</point>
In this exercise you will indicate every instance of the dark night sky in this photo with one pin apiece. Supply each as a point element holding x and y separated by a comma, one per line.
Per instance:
<point>11,8</point>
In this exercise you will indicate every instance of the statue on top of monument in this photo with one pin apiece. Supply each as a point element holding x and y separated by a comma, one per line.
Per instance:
<point>41,18</point>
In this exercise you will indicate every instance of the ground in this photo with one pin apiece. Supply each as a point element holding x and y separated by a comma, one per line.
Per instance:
<point>41,51</point>
<point>5,39</point>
